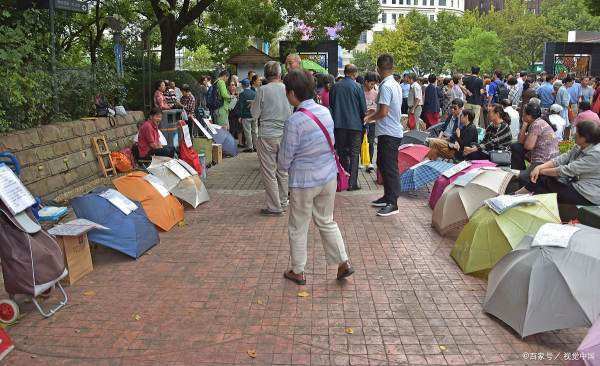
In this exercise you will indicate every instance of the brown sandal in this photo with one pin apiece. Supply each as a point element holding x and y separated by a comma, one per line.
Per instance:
<point>290,275</point>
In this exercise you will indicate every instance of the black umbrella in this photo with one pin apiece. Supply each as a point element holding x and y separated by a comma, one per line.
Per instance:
<point>415,137</point>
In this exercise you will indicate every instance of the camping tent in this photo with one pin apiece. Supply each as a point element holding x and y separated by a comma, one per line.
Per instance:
<point>164,211</point>
<point>131,234</point>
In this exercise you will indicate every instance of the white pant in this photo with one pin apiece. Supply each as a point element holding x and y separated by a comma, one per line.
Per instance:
<point>250,130</point>
<point>317,203</point>
<point>274,180</point>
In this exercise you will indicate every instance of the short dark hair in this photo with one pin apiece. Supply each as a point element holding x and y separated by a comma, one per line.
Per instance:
<point>372,76</point>
<point>549,77</point>
<point>584,106</point>
<point>385,62</point>
<point>568,79</point>
<point>154,111</point>
<point>590,131</point>
<point>254,77</point>
<point>350,69</point>
<point>456,79</point>
<point>157,84</point>
<point>498,74</point>
<point>446,81</point>
<point>458,102</point>
<point>470,114</point>
<point>512,81</point>
<point>499,110</point>
<point>505,103</point>
<point>533,110</point>
<point>432,78</point>
<point>301,83</point>
<point>224,73</point>
<point>185,88</point>
<point>475,70</point>
<point>523,73</point>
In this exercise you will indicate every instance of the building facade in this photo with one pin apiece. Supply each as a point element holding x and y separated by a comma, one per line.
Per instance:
<point>393,10</point>
<point>484,6</point>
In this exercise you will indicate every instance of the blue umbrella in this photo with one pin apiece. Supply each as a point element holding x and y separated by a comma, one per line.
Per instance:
<point>224,138</point>
<point>425,172</point>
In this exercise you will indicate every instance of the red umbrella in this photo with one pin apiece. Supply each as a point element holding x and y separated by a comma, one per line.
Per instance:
<point>408,155</point>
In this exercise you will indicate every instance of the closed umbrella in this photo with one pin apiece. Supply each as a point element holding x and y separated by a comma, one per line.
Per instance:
<point>224,138</point>
<point>163,211</point>
<point>442,182</point>
<point>590,347</point>
<point>408,155</point>
<point>488,237</point>
<point>425,172</point>
<point>415,137</point>
<point>458,203</point>
<point>548,282</point>
<point>180,179</point>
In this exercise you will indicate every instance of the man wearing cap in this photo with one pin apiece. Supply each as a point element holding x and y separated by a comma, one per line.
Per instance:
<point>250,126</point>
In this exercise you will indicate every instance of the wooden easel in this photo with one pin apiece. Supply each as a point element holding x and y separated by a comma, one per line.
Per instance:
<point>102,153</point>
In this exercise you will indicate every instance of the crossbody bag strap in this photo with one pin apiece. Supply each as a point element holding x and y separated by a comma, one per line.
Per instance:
<point>323,129</point>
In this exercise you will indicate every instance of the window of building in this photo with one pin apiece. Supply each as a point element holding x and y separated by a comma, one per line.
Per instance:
<point>401,2</point>
<point>383,17</point>
<point>431,2</point>
<point>383,1</point>
<point>451,3</point>
<point>393,2</point>
<point>408,2</point>
<point>363,38</point>
<point>394,18</point>
<point>432,17</point>
<point>442,2</point>
<point>424,2</point>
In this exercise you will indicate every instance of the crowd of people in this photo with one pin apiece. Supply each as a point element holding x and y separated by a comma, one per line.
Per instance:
<point>303,125</point>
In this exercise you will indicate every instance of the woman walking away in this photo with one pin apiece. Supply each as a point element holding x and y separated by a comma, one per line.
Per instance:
<point>497,135</point>
<point>574,175</point>
<point>307,155</point>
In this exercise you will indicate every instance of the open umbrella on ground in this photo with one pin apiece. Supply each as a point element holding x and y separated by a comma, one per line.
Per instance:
<point>458,203</point>
<point>589,348</point>
<point>415,137</point>
<point>425,172</point>
<point>442,182</point>
<point>313,66</point>
<point>224,138</point>
<point>548,282</point>
<point>408,155</point>
<point>487,237</point>
<point>180,179</point>
<point>163,210</point>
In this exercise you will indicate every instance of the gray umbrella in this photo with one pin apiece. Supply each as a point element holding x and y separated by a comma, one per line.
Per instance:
<point>415,137</point>
<point>535,288</point>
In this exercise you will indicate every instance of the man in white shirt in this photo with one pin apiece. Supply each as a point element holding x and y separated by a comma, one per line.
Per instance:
<point>415,97</point>
<point>515,124</point>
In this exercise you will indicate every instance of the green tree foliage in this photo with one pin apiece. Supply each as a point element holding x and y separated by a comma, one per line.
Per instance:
<point>568,15</point>
<point>199,59</point>
<point>482,48</point>
<point>398,43</point>
<point>363,61</point>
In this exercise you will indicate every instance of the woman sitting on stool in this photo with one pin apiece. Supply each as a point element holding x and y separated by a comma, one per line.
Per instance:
<point>497,135</point>
<point>574,175</point>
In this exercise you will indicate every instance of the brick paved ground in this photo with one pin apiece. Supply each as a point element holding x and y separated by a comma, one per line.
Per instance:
<point>213,290</point>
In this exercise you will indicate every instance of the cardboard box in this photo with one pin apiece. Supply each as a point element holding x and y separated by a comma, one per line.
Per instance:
<point>76,250</point>
<point>217,153</point>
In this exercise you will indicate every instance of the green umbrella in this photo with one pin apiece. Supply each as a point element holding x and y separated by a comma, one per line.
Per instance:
<point>489,236</point>
<point>311,65</point>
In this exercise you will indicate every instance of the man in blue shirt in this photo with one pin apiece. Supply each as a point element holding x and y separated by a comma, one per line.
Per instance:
<point>575,96</point>
<point>496,86</point>
<point>348,107</point>
<point>546,92</point>
<point>249,123</point>
<point>389,132</point>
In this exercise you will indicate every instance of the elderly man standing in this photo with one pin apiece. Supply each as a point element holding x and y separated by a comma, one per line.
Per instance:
<point>271,109</point>
<point>293,62</point>
<point>348,107</point>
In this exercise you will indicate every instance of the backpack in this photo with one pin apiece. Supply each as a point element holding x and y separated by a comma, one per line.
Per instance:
<point>213,98</point>
<point>501,92</point>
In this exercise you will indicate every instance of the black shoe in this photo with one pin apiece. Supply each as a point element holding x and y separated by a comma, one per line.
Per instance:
<point>370,169</point>
<point>355,188</point>
<point>388,210</point>
<point>267,212</point>
<point>379,203</point>
<point>248,150</point>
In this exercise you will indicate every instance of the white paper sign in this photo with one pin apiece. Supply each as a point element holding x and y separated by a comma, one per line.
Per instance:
<point>201,127</point>
<point>75,228</point>
<point>465,179</point>
<point>554,235</point>
<point>157,184</point>
<point>186,135</point>
<point>456,169</point>
<point>188,167</point>
<point>210,126</point>
<point>12,192</point>
<point>177,169</point>
<point>162,139</point>
<point>405,146</point>
<point>421,163</point>
<point>119,201</point>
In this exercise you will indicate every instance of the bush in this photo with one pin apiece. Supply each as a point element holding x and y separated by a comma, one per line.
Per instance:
<point>135,86</point>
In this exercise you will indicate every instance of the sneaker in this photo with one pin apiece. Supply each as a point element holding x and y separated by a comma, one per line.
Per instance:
<point>267,212</point>
<point>370,168</point>
<point>361,166</point>
<point>379,203</point>
<point>388,210</point>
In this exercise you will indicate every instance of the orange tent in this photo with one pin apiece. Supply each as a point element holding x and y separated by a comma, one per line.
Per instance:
<point>164,212</point>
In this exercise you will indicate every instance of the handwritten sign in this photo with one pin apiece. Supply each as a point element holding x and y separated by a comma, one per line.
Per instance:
<point>186,136</point>
<point>12,192</point>
<point>119,201</point>
<point>177,169</point>
<point>554,235</point>
<point>157,184</point>
<point>75,228</point>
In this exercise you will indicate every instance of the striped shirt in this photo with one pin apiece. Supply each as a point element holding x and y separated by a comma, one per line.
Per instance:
<point>496,138</point>
<point>304,152</point>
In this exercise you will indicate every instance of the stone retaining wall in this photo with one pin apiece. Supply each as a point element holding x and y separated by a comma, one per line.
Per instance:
<point>59,157</point>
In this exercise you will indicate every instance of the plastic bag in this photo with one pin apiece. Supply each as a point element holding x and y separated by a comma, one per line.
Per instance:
<point>365,158</point>
<point>121,162</point>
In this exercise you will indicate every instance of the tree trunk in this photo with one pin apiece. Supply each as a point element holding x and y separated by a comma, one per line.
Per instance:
<point>168,43</point>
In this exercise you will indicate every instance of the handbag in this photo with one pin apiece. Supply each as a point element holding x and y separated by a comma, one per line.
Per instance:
<point>342,176</point>
<point>365,157</point>
<point>500,157</point>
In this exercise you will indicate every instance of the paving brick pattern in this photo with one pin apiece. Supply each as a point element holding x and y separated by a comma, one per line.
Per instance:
<point>212,292</point>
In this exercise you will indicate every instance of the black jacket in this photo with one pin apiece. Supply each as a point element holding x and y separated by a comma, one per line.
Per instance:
<point>468,137</point>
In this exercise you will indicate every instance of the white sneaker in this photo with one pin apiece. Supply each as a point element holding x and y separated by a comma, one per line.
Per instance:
<point>361,166</point>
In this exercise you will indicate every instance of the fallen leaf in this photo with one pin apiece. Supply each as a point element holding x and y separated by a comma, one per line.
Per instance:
<point>259,302</point>
<point>251,353</point>
<point>443,348</point>
<point>89,293</point>
<point>77,331</point>
<point>303,294</point>
<point>137,317</point>
<point>349,331</point>
<point>181,223</point>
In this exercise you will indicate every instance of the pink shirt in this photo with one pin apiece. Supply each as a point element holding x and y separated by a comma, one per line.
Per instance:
<point>371,97</point>
<point>324,98</point>
<point>587,116</point>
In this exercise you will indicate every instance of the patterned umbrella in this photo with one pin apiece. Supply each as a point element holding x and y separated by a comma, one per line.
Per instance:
<point>408,155</point>
<point>442,182</point>
<point>425,172</point>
